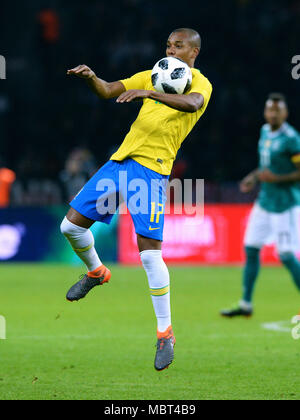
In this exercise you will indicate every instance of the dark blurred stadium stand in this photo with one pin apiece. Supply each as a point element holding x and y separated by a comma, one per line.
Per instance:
<point>44,115</point>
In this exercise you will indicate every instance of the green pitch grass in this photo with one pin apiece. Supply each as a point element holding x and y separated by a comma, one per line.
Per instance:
<point>103,346</point>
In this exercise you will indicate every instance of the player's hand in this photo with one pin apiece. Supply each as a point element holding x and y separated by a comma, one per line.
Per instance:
<point>267,176</point>
<point>82,71</point>
<point>133,95</point>
<point>248,184</point>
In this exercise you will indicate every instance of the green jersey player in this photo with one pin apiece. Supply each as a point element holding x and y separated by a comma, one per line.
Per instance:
<point>275,212</point>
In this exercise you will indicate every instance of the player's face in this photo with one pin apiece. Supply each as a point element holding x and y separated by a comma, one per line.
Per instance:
<point>275,113</point>
<point>178,46</point>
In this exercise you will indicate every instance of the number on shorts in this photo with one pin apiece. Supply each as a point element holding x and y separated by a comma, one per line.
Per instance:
<point>159,213</point>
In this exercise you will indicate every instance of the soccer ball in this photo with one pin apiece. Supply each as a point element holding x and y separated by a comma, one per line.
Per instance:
<point>171,75</point>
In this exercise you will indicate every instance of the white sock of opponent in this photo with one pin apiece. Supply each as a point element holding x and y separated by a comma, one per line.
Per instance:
<point>159,282</point>
<point>82,242</point>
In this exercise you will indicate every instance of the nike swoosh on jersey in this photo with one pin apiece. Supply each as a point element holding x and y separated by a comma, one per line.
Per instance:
<point>151,228</point>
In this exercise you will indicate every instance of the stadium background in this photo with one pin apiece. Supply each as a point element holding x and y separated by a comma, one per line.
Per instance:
<point>54,133</point>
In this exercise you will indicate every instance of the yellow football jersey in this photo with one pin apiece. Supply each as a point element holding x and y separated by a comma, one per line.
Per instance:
<point>158,132</point>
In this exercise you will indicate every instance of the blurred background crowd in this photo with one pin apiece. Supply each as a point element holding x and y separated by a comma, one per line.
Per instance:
<point>55,133</point>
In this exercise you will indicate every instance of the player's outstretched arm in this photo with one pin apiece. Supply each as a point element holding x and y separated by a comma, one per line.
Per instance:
<point>184,103</point>
<point>102,88</point>
<point>268,176</point>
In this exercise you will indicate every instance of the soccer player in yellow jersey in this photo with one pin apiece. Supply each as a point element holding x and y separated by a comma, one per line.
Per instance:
<point>144,160</point>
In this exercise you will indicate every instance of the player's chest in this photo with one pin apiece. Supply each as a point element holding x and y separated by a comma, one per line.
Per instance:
<point>272,151</point>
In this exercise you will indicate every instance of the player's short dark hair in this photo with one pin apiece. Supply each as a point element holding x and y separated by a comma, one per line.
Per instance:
<point>277,97</point>
<point>195,38</point>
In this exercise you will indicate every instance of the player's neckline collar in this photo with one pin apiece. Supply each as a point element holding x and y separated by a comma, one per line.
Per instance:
<point>273,134</point>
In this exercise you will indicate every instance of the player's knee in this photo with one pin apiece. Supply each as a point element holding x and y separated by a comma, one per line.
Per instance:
<point>150,257</point>
<point>67,228</point>
<point>146,258</point>
<point>252,252</point>
<point>64,228</point>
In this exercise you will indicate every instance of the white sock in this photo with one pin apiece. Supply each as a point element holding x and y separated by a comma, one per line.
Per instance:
<point>159,282</point>
<point>82,242</point>
<point>247,306</point>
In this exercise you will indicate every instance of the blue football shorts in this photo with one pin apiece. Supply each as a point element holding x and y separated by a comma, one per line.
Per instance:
<point>141,189</point>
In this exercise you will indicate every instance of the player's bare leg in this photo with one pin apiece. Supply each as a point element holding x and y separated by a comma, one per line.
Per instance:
<point>75,227</point>
<point>159,282</point>
<point>78,219</point>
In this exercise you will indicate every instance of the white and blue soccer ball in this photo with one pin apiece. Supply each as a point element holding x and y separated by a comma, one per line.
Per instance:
<point>171,75</point>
